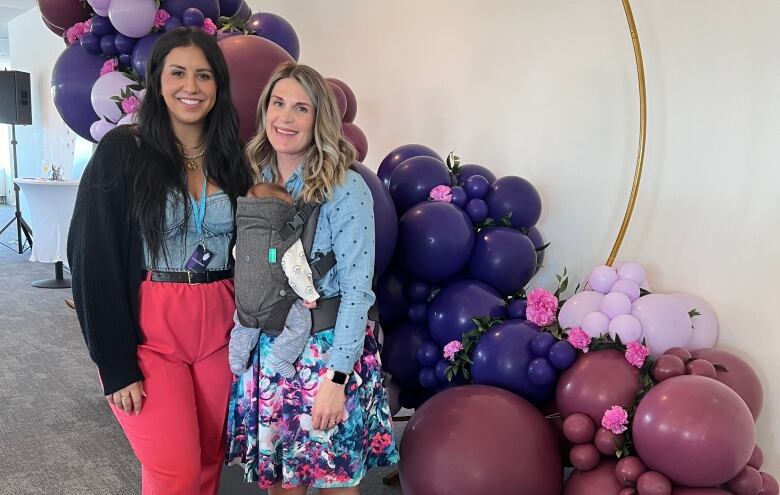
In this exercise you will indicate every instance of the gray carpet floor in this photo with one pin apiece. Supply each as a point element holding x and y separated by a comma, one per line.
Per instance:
<point>57,435</point>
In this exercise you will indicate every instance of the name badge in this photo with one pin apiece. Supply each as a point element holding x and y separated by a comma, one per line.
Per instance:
<point>199,260</point>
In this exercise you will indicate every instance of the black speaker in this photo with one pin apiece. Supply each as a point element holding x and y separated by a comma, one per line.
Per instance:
<point>15,104</point>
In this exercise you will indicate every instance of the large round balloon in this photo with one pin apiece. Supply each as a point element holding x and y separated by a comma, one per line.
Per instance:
<point>504,258</point>
<point>577,307</point>
<point>682,490</point>
<point>357,137</point>
<point>452,310</point>
<point>516,196</point>
<point>59,15</point>
<point>399,155</point>
<point>412,181</point>
<point>385,218</point>
<point>501,358</point>
<point>390,299</point>
<point>471,169</point>
<point>351,110</point>
<point>705,324</point>
<point>277,29</point>
<point>435,240</point>
<point>209,8</point>
<point>597,381</point>
<point>133,18</point>
<point>229,8</point>
<point>142,51</point>
<point>694,430</point>
<point>106,87</point>
<point>251,60</point>
<point>399,354</point>
<point>74,74</point>
<point>538,241</point>
<point>460,441</point>
<point>737,375</point>
<point>598,481</point>
<point>665,322</point>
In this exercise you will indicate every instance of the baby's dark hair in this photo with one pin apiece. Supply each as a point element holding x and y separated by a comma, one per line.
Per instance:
<point>269,189</point>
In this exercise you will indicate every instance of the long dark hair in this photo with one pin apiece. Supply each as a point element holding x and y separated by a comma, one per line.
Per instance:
<point>224,161</point>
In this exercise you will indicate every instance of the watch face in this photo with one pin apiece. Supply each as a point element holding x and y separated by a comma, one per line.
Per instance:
<point>339,377</point>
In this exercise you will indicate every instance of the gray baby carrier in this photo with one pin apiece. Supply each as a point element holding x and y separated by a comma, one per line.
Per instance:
<point>266,229</point>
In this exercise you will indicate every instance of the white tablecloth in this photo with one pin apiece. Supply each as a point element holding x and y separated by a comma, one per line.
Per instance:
<point>50,204</point>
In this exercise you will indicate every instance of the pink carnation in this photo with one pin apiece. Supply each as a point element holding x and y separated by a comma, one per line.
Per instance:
<point>209,27</point>
<point>636,354</point>
<point>160,17</point>
<point>615,420</point>
<point>442,193</point>
<point>109,65</point>
<point>579,339</point>
<point>76,31</point>
<point>542,307</point>
<point>130,104</point>
<point>451,349</point>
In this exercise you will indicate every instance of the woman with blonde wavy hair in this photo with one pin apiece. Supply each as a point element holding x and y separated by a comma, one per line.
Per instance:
<point>331,422</point>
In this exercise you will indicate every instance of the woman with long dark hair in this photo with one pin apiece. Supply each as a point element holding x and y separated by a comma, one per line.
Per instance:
<point>149,251</point>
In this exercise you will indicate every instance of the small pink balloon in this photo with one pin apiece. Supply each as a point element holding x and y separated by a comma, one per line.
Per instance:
<point>627,491</point>
<point>700,367</point>
<point>341,98</point>
<point>665,322</point>
<point>629,469</point>
<point>614,304</point>
<point>602,278</point>
<point>756,458</point>
<point>654,483</point>
<point>705,324</point>
<point>627,287</point>
<point>598,481</point>
<point>579,428</point>
<point>584,456</point>
<point>607,442</point>
<point>632,271</point>
<point>577,306</point>
<point>680,352</point>
<point>769,485</point>
<point>747,482</point>
<point>626,327</point>
<point>595,324</point>
<point>668,366</point>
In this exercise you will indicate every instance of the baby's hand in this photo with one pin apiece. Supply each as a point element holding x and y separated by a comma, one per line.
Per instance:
<point>310,305</point>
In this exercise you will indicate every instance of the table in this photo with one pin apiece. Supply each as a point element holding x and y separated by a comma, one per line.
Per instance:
<point>50,205</point>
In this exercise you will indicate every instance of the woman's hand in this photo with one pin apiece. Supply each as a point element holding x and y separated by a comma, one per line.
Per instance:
<point>130,398</point>
<point>329,405</point>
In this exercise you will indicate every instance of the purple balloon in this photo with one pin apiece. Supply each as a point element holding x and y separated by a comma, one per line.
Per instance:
<point>459,196</point>
<point>107,45</point>
<point>245,12</point>
<point>385,218</point>
<point>562,355</point>
<point>72,78</point>
<point>476,186</point>
<point>101,26</point>
<point>418,312</point>
<point>390,299</point>
<point>541,372</point>
<point>229,8</point>
<point>538,241</point>
<point>277,29</point>
<point>91,43</point>
<point>412,181</point>
<point>477,210</point>
<point>427,378</point>
<point>399,355</point>
<point>124,44</point>
<point>515,195</point>
<point>429,353</point>
<point>515,309</point>
<point>472,169</point>
<point>441,370</point>
<point>174,23</point>
<point>398,156</point>
<point>502,356</point>
<point>435,240</point>
<point>503,258</point>
<point>125,60</point>
<point>192,17</point>
<point>209,8</point>
<point>452,310</point>
<point>142,52</point>
<point>542,343</point>
<point>418,291</point>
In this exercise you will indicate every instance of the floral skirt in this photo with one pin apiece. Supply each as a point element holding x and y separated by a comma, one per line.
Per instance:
<point>269,428</point>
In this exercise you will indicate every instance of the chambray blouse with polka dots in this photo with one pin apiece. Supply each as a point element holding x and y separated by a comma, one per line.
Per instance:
<point>346,227</point>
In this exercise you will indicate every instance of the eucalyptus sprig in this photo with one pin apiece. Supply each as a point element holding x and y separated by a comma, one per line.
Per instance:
<point>461,363</point>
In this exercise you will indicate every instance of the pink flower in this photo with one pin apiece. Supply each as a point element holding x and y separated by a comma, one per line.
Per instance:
<point>160,17</point>
<point>636,354</point>
<point>130,104</point>
<point>209,27</point>
<point>76,31</point>
<point>615,420</point>
<point>451,349</point>
<point>70,35</point>
<point>542,307</point>
<point>579,339</point>
<point>109,65</point>
<point>442,193</point>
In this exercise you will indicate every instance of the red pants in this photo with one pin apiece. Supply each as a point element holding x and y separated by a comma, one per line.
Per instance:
<point>179,435</point>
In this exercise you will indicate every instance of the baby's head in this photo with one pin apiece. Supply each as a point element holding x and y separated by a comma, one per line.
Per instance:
<point>269,190</point>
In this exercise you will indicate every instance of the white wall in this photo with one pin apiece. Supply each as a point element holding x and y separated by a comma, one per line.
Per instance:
<point>547,90</point>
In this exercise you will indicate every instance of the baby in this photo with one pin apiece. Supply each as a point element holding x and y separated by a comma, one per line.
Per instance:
<point>297,328</point>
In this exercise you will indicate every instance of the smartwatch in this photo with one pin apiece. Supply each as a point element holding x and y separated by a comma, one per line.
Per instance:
<point>338,377</point>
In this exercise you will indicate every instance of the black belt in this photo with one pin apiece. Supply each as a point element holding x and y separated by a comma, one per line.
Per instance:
<point>187,277</point>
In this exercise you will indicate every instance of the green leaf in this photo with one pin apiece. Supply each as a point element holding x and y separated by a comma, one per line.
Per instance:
<point>542,248</point>
<point>466,374</point>
<point>643,292</point>
<point>693,313</point>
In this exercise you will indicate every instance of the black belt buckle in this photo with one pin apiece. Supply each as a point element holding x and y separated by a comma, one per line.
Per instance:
<point>189,278</point>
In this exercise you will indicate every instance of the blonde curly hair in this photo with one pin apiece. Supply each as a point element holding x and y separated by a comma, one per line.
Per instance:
<point>329,156</point>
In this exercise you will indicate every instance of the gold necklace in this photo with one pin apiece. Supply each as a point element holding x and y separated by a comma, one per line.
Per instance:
<point>191,161</point>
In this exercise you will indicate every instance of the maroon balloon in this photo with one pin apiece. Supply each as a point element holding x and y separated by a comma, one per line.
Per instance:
<point>756,458</point>
<point>668,366</point>
<point>579,428</point>
<point>351,111</point>
<point>769,485</point>
<point>584,456</point>
<point>654,483</point>
<point>448,449</point>
<point>598,481</point>
<point>682,490</point>
<point>251,60</point>
<point>747,482</point>
<point>694,430</point>
<point>629,469</point>
<point>341,98</point>
<point>740,377</point>
<point>59,15</point>
<point>354,135</point>
<point>607,442</point>
<point>680,352</point>
<point>627,491</point>
<point>700,367</point>
<point>595,382</point>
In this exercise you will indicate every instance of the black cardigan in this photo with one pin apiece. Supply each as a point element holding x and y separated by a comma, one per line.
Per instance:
<point>105,253</point>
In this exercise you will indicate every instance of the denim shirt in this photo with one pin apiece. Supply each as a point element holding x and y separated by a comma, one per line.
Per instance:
<point>346,227</point>
<point>180,238</point>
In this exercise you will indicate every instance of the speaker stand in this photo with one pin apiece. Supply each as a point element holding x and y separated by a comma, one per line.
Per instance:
<point>21,225</point>
<point>58,282</point>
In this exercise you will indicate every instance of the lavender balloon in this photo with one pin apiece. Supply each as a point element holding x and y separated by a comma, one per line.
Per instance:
<point>577,307</point>
<point>517,196</point>
<point>632,271</point>
<point>399,155</point>
<point>99,129</point>
<point>595,324</point>
<point>705,324</point>
<point>277,29</point>
<point>74,74</point>
<point>665,322</point>
<point>602,278</point>
<point>627,287</point>
<point>133,18</point>
<point>626,327</point>
<point>105,88</point>
<point>614,304</point>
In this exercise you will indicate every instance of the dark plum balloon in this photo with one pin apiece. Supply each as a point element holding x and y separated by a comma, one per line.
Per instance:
<point>598,481</point>
<point>72,78</point>
<point>357,137</point>
<point>399,155</point>
<point>501,358</point>
<point>452,310</point>
<point>351,111</point>
<point>399,354</point>
<point>385,218</point>
<point>504,258</point>
<point>738,375</point>
<point>277,29</point>
<point>412,181</point>
<point>477,210</point>
<point>515,195</point>
<point>476,186</point>
<point>59,15</point>
<point>459,196</point>
<point>142,51</point>
<point>435,240</point>
<point>340,96</point>
<point>471,169</point>
<point>209,8</point>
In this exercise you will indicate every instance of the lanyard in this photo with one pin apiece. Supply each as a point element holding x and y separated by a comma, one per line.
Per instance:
<point>199,209</point>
